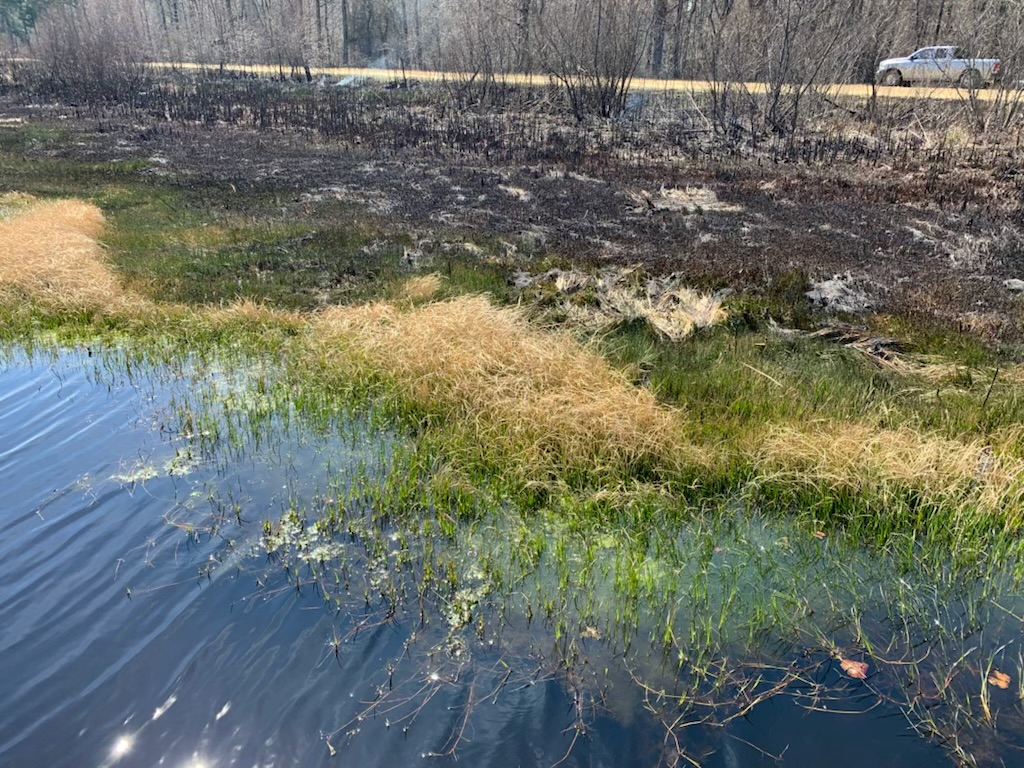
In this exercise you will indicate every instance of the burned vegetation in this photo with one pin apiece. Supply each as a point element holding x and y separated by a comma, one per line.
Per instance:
<point>872,208</point>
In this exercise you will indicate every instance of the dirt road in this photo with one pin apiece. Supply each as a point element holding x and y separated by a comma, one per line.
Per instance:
<point>854,91</point>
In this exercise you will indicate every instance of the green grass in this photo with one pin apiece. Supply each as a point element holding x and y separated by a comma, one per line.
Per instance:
<point>733,381</point>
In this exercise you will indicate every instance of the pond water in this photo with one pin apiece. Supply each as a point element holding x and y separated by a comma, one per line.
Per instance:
<point>145,622</point>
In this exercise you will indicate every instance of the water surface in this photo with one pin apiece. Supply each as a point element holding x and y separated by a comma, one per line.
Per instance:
<point>145,622</point>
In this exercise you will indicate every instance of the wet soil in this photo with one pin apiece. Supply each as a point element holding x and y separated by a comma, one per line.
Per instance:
<point>929,234</point>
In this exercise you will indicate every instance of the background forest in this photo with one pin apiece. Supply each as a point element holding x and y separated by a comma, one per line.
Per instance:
<point>783,41</point>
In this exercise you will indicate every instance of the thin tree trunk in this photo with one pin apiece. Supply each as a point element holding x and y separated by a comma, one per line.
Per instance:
<point>523,43</point>
<point>368,41</point>
<point>344,33</point>
<point>658,35</point>
<point>418,48</point>
<point>319,26</point>
<point>404,58</point>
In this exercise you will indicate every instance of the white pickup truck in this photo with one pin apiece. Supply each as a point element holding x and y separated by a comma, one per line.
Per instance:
<point>940,65</point>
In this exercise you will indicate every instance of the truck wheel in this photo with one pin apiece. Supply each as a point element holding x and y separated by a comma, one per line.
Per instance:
<point>892,77</point>
<point>971,79</point>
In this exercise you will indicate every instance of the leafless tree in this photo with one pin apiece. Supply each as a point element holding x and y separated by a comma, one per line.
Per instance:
<point>594,49</point>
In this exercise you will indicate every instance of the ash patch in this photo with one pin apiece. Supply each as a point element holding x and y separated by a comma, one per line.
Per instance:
<point>842,293</point>
<point>615,294</point>
<point>688,200</point>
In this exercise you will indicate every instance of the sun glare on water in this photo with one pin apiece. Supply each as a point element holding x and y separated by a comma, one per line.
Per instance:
<point>122,747</point>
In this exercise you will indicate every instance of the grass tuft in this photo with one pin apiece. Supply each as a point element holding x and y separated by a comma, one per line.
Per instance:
<point>960,481</point>
<point>252,314</point>
<point>674,314</point>
<point>49,253</point>
<point>421,288</point>
<point>535,401</point>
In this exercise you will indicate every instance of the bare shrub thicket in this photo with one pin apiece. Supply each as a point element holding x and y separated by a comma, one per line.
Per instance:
<point>93,50</point>
<point>591,48</point>
<point>483,47</point>
<point>594,48</point>
<point>990,31</point>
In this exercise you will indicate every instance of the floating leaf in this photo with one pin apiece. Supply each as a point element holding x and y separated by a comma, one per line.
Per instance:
<point>856,669</point>
<point>819,535</point>
<point>591,633</point>
<point>999,679</point>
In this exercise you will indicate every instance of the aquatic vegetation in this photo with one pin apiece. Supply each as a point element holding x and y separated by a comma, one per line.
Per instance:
<point>703,620</point>
<point>140,472</point>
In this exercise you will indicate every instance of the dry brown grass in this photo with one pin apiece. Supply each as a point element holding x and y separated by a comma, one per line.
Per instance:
<point>617,294</point>
<point>421,288</point>
<point>253,314</point>
<point>1013,374</point>
<point>863,459</point>
<point>674,314</point>
<point>535,399</point>
<point>49,254</point>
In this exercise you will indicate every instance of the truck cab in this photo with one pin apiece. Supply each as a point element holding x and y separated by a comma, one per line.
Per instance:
<point>939,65</point>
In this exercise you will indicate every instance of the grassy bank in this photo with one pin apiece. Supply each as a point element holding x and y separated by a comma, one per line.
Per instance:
<point>925,448</point>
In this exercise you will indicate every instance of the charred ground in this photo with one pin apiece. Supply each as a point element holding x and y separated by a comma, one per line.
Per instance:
<point>919,222</point>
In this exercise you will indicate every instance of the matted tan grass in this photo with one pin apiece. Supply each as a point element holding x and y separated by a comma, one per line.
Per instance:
<point>532,398</point>
<point>674,314</point>
<point>863,459</point>
<point>421,288</point>
<point>49,254</point>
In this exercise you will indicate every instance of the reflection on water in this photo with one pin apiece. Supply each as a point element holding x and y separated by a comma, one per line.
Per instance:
<point>171,596</point>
